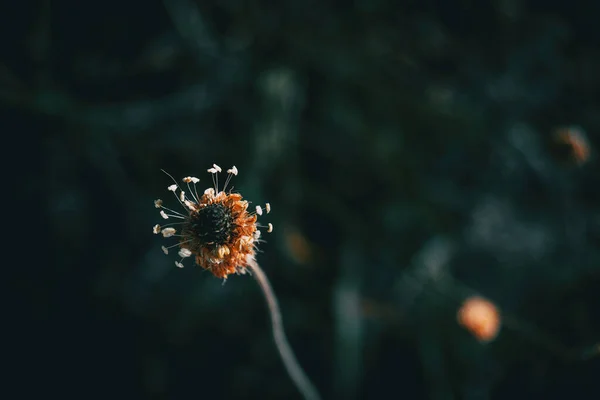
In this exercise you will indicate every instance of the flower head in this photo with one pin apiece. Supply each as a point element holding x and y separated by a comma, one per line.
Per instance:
<point>215,228</point>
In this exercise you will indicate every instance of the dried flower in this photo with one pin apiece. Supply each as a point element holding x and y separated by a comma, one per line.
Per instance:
<point>219,232</point>
<point>480,317</point>
<point>215,227</point>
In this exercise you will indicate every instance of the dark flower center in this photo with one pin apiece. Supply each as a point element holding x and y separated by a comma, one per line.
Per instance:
<point>212,224</point>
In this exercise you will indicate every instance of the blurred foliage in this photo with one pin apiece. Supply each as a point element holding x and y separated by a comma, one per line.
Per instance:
<point>411,151</point>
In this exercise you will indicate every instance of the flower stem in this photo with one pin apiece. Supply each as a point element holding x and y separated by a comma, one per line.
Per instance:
<point>304,385</point>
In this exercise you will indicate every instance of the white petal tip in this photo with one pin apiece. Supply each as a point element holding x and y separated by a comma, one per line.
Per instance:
<point>168,232</point>
<point>183,253</point>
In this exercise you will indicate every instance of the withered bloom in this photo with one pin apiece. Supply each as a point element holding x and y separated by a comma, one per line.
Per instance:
<point>215,228</point>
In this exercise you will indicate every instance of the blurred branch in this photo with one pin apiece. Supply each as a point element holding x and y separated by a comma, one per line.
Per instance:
<point>192,28</point>
<point>348,322</point>
<point>131,118</point>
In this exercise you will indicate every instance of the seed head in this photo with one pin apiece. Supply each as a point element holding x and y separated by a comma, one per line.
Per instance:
<point>215,228</point>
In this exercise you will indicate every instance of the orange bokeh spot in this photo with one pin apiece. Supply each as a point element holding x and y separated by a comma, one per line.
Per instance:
<point>480,317</point>
<point>575,139</point>
<point>298,246</point>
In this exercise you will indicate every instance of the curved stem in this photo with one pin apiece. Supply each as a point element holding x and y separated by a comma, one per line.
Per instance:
<point>304,385</point>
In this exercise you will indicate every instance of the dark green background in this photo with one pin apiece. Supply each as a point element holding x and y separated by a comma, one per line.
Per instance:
<point>409,144</point>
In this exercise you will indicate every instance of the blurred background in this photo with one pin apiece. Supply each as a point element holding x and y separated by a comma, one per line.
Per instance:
<point>431,166</point>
